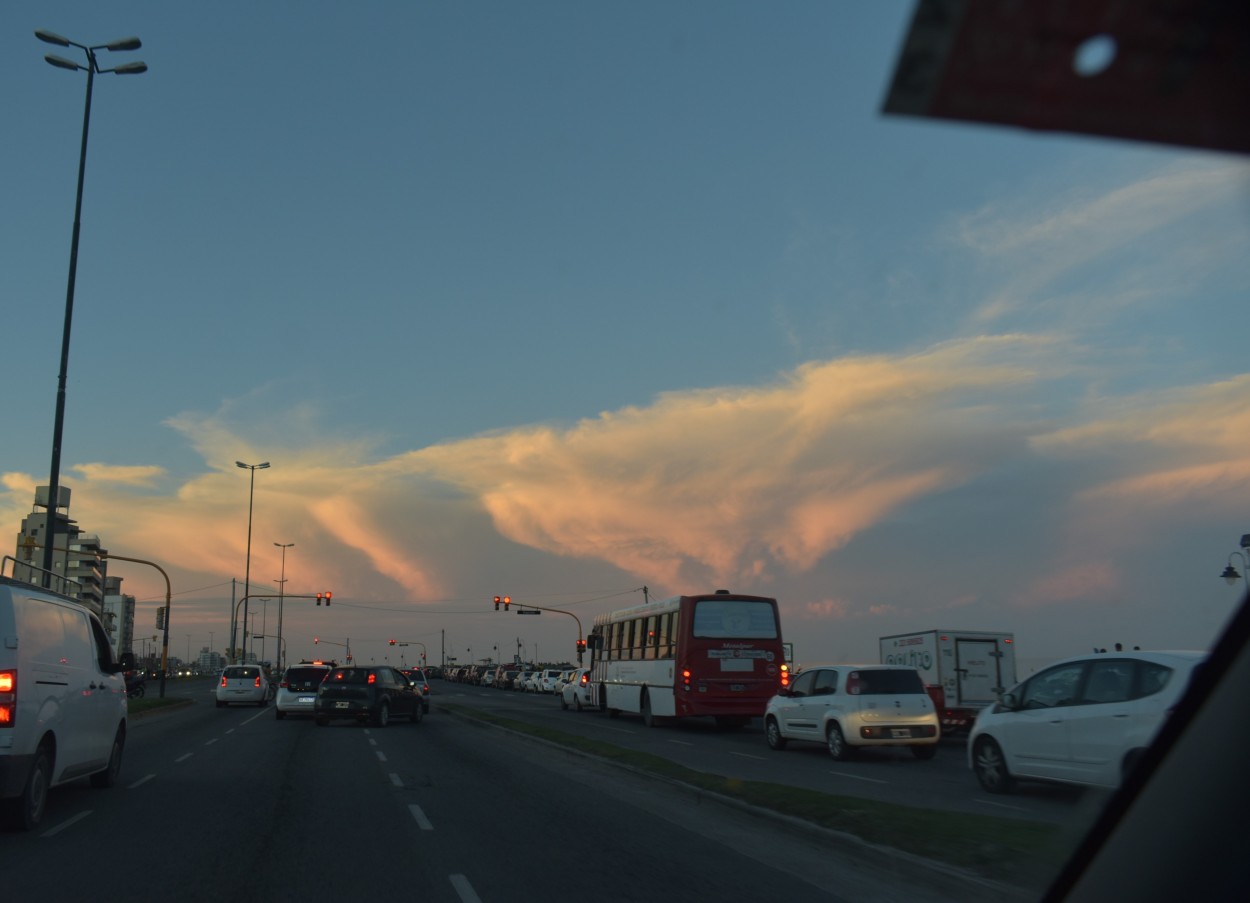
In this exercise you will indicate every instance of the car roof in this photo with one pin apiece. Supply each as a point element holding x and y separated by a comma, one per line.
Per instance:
<point>1159,657</point>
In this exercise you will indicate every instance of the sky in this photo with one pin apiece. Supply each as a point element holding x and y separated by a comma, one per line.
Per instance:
<point>562,300</point>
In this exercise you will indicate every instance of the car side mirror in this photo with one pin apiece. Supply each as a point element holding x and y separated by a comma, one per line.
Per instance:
<point>1009,702</point>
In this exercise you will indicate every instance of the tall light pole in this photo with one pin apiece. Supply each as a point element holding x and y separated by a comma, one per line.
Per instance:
<point>281,593</point>
<point>92,67</point>
<point>247,571</point>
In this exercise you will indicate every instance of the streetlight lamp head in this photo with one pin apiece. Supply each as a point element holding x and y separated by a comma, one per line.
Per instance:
<point>62,63</point>
<point>124,44</point>
<point>51,38</point>
<point>1230,575</point>
<point>131,69</point>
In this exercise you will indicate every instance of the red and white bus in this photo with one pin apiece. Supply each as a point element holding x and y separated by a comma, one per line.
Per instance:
<point>717,655</point>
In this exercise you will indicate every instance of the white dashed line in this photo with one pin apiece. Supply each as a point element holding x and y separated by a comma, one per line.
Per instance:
<point>681,742</point>
<point>381,755</point>
<point>465,889</point>
<point>1003,806</point>
<point>748,756</point>
<point>183,757</point>
<point>211,742</point>
<point>422,822</point>
<point>65,824</point>
<point>141,781</point>
<point>856,777</point>
<point>396,781</point>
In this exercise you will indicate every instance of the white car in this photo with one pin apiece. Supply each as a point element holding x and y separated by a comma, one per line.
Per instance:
<point>297,691</point>
<point>246,684</point>
<point>576,693</point>
<point>851,707</point>
<point>545,680</point>
<point>1083,720</point>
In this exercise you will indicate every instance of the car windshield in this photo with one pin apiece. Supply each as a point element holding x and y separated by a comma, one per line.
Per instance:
<point>444,332</point>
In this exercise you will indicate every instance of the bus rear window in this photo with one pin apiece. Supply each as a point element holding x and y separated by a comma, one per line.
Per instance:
<point>735,618</point>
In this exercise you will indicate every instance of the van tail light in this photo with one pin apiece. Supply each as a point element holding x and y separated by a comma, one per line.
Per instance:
<point>8,698</point>
<point>372,678</point>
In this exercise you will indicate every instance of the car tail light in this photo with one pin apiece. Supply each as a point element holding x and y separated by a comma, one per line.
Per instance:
<point>8,698</point>
<point>585,681</point>
<point>854,683</point>
<point>223,680</point>
<point>257,683</point>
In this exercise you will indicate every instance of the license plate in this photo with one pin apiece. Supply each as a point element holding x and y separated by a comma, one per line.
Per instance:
<point>900,733</point>
<point>341,705</point>
<point>308,699</point>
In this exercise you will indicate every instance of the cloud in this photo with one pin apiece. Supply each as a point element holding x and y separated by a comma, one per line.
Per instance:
<point>137,475</point>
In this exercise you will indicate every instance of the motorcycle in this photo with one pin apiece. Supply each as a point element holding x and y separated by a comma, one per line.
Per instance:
<point>134,685</point>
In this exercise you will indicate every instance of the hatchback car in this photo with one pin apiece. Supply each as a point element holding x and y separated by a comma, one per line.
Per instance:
<point>421,679</point>
<point>851,707</point>
<point>545,680</point>
<point>367,693</point>
<point>297,690</point>
<point>576,693</point>
<point>1083,720</point>
<point>243,684</point>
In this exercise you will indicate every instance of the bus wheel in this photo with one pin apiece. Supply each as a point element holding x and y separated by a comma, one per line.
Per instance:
<point>603,698</point>
<point>645,707</point>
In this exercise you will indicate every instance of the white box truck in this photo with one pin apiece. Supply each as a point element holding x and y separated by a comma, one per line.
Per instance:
<point>965,670</point>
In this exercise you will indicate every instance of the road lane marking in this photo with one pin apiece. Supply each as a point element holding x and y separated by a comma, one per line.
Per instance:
<point>396,780</point>
<point>373,742</point>
<point>857,777</point>
<point>619,730</point>
<point>748,756</point>
<point>381,755</point>
<point>65,824</point>
<point>211,742</point>
<point>1004,806</point>
<point>681,742</point>
<point>183,757</point>
<point>464,889</point>
<point>422,822</point>
<point>142,780</point>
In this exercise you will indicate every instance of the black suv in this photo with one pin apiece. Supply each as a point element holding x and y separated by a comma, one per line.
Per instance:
<point>369,694</point>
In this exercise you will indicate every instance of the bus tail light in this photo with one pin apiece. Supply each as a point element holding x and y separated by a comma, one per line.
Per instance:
<point>685,678</point>
<point>8,698</point>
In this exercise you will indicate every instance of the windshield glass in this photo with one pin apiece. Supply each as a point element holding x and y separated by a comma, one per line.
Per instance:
<point>442,332</point>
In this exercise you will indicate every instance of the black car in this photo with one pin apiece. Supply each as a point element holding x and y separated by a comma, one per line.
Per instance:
<point>369,693</point>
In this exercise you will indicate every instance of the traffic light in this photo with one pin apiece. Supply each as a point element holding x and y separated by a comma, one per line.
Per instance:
<point>316,640</point>
<point>581,646</point>
<point>507,600</point>
<point>496,603</point>
<point>326,595</point>
<point>392,642</point>
<point>160,618</point>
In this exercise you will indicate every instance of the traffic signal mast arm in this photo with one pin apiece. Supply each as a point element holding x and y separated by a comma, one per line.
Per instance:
<point>581,642</point>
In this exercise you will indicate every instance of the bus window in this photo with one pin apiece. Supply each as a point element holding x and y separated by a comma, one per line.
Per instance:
<point>649,639</point>
<point>735,618</point>
<point>667,634</point>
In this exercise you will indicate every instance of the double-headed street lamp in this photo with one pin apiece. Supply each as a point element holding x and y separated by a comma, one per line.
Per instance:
<point>247,570</point>
<point>58,428</point>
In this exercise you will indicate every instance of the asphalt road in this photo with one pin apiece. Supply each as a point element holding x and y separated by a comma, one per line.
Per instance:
<point>218,804</point>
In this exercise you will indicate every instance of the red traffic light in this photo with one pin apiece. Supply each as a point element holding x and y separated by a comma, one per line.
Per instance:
<point>507,600</point>
<point>392,642</point>
<point>316,640</point>
<point>496,603</point>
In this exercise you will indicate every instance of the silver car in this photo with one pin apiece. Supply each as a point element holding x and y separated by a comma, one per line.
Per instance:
<point>297,691</point>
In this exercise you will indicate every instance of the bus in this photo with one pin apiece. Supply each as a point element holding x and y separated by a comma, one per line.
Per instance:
<point>717,655</point>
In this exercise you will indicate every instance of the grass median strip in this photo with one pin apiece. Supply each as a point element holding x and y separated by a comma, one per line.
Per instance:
<point>996,847</point>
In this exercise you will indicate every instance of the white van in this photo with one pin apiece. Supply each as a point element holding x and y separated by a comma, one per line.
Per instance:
<point>62,699</point>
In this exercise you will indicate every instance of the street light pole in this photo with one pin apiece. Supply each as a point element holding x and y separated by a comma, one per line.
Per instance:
<point>281,594</point>
<point>58,427</point>
<point>247,571</point>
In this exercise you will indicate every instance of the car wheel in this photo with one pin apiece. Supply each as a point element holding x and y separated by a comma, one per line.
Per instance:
<point>772,733</point>
<point>838,747</point>
<point>577,703</point>
<point>417,714</point>
<point>264,701</point>
<point>990,766</point>
<point>108,777</point>
<point>220,704</point>
<point>928,751</point>
<point>279,714</point>
<point>647,718</point>
<point>29,807</point>
<point>383,717</point>
<point>564,703</point>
